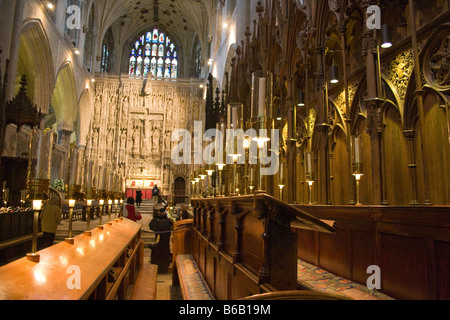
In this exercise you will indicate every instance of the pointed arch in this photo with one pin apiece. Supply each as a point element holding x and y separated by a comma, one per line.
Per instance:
<point>35,61</point>
<point>64,100</point>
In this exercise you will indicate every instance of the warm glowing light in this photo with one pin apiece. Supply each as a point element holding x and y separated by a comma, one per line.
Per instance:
<point>210,172</point>
<point>39,277</point>
<point>358,176</point>
<point>102,202</point>
<point>89,203</point>
<point>220,166</point>
<point>50,5</point>
<point>72,203</point>
<point>37,205</point>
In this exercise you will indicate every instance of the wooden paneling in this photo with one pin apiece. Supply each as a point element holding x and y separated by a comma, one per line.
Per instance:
<point>411,245</point>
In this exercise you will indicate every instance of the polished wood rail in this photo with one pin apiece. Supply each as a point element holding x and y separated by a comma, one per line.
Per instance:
<point>106,265</point>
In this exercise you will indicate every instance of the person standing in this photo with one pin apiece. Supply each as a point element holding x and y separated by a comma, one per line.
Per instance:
<point>155,194</point>
<point>51,216</point>
<point>130,211</point>
<point>138,198</point>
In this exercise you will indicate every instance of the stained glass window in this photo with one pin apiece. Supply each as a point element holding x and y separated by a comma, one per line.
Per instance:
<point>154,54</point>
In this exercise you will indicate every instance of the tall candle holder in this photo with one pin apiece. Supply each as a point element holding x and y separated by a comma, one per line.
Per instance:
<point>70,239</point>
<point>235,150</point>
<point>358,173</point>
<point>210,172</point>
<point>309,170</point>
<point>251,185</point>
<point>6,196</point>
<point>281,180</point>
<point>39,164</point>
<point>357,165</point>
<point>261,111</point>
<point>88,231</point>
<point>100,214</point>
<point>109,211</point>
<point>116,203</point>
<point>34,256</point>
<point>220,168</point>
<point>23,198</point>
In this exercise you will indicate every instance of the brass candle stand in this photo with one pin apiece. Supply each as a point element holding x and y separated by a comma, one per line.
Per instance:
<point>100,215</point>
<point>70,239</point>
<point>88,231</point>
<point>358,172</point>
<point>34,256</point>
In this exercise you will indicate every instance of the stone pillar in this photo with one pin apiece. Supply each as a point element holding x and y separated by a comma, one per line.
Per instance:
<point>14,48</point>
<point>64,141</point>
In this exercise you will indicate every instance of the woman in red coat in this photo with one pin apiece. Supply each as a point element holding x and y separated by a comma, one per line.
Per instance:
<point>130,211</point>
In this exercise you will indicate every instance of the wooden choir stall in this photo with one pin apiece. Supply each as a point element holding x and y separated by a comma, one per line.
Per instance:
<point>241,247</point>
<point>103,264</point>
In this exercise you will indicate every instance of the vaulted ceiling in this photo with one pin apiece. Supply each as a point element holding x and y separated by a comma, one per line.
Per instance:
<point>135,16</point>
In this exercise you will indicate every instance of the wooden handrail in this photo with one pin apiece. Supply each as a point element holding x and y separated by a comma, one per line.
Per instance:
<point>94,256</point>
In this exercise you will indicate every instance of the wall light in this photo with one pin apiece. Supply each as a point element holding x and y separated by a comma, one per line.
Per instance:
<point>301,99</point>
<point>386,41</point>
<point>334,71</point>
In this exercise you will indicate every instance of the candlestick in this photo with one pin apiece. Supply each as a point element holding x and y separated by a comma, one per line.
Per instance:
<point>262,97</point>
<point>34,256</point>
<point>70,240</point>
<point>87,231</point>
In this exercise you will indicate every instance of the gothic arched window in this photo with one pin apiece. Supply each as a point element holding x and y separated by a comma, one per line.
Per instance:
<point>155,55</point>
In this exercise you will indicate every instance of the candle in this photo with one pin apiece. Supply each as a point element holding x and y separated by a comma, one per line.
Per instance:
<point>234,121</point>
<point>308,163</point>
<point>262,97</point>
<point>281,170</point>
<point>357,150</point>
<point>251,176</point>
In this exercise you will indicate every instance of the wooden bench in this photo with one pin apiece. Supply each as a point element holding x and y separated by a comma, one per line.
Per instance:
<point>315,279</point>
<point>145,287</point>
<point>193,285</point>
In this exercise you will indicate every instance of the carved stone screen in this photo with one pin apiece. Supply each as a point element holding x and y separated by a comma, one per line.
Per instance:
<point>132,128</point>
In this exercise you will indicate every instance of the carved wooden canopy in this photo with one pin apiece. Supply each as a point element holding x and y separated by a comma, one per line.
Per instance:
<point>21,111</point>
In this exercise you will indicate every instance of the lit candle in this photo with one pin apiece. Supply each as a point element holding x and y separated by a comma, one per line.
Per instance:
<point>262,97</point>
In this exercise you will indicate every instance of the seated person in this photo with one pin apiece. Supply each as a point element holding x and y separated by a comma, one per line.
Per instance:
<point>130,211</point>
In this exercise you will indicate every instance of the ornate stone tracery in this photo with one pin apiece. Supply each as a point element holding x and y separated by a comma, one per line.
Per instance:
<point>133,124</point>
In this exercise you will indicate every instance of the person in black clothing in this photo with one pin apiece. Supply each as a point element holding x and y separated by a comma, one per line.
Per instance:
<point>138,198</point>
<point>155,194</point>
<point>161,250</point>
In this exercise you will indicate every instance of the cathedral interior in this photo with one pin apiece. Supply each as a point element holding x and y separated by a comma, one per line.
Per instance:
<point>340,164</point>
